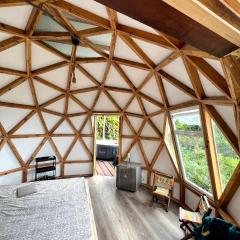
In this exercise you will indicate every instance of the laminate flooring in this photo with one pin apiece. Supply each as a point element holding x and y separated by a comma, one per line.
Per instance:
<point>123,215</point>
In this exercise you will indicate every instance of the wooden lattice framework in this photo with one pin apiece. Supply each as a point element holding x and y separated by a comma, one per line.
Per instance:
<point>193,60</point>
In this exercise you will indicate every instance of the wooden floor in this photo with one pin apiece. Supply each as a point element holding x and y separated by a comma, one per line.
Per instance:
<point>122,215</point>
<point>105,168</point>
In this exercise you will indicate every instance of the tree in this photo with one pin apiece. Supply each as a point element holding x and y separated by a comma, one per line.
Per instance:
<point>108,129</point>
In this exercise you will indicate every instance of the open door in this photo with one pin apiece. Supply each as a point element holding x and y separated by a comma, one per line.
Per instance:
<point>106,144</point>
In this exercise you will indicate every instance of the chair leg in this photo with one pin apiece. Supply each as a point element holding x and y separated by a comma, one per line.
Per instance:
<point>189,236</point>
<point>168,204</point>
<point>151,204</point>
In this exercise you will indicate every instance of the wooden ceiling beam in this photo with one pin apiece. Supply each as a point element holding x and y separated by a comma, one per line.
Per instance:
<point>201,12</point>
<point>143,35</point>
<point>211,74</point>
<point>12,30</point>
<point>233,5</point>
<point>222,11</point>
<point>32,21</point>
<point>138,51</point>
<point>178,84</point>
<point>81,13</point>
<point>12,3</point>
<point>164,17</point>
<point>10,42</point>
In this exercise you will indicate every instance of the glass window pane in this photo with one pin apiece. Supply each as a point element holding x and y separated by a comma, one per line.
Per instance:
<point>227,158</point>
<point>194,161</point>
<point>169,143</point>
<point>188,132</point>
<point>61,47</point>
<point>47,24</point>
<point>77,23</point>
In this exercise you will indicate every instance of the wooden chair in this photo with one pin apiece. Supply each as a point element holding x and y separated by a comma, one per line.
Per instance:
<point>190,220</point>
<point>162,189</point>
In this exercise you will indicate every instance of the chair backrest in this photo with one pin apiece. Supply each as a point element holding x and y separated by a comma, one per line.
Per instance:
<point>163,181</point>
<point>204,207</point>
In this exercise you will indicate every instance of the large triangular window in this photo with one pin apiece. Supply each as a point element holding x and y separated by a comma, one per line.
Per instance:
<point>191,146</point>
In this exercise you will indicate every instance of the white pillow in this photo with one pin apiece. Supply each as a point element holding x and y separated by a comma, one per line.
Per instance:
<point>26,190</point>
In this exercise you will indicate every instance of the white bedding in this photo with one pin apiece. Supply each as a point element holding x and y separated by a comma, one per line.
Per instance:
<point>61,209</point>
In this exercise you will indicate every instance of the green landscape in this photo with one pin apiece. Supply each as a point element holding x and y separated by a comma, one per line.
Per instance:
<point>194,155</point>
<point>107,127</point>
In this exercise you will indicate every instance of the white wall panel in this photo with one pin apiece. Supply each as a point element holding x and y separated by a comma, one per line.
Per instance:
<point>10,116</point>
<point>164,164</point>
<point>8,16</point>
<point>191,199</point>
<point>8,160</point>
<point>234,207</point>
<point>78,168</point>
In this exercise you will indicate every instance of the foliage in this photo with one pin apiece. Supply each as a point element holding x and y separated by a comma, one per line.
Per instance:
<point>186,127</point>
<point>194,156</point>
<point>227,158</point>
<point>194,161</point>
<point>111,126</point>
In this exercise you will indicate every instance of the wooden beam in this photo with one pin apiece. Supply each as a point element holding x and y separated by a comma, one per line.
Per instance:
<point>226,130</point>
<point>203,13</point>
<point>209,72</point>
<point>163,17</point>
<point>81,13</point>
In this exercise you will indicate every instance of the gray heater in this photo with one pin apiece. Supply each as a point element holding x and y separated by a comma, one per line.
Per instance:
<point>128,176</point>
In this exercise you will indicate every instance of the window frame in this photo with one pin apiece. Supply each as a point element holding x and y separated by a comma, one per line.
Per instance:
<point>188,112</point>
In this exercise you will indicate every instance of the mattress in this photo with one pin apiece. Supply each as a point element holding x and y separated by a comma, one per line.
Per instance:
<point>61,209</point>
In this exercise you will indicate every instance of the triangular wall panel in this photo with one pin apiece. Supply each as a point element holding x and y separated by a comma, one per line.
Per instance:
<point>8,16</point>
<point>6,79</point>
<point>10,161</point>
<point>177,69</point>
<point>135,75</point>
<point>16,95</point>
<point>64,127</point>
<point>42,58</point>
<point>114,79</point>
<point>78,121</point>
<point>121,98</point>
<point>10,117</point>
<point>49,93</point>
<point>78,153</point>
<point>123,51</point>
<point>7,56</point>
<point>156,53</point>
<point>62,144</point>
<point>32,126</point>
<point>209,89</point>
<point>104,104</point>
<point>22,145</point>
<point>134,107</point>
<point>87,98</point>
<point>95,69</point>
<point>172,92</point>
<point>163,164</point>
<point>57,106</point>
<point>151,89</point>
<point>150,148</point>
<point>60,80</point>
<point>50,120</point>
<point>227,113</point>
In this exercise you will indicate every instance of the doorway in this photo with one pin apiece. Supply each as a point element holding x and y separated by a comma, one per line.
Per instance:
<point>106,144</point>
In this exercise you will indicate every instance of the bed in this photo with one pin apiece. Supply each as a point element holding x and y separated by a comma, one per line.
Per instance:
<point>61,209</point>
